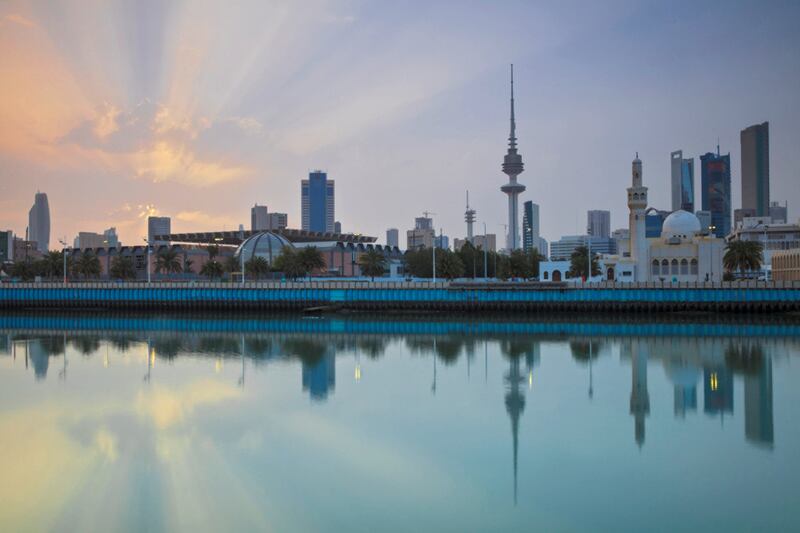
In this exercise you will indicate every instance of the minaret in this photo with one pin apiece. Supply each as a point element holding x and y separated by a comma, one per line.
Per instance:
<point>469,218</point>
<point>512,167</point>
<point>637,204</point>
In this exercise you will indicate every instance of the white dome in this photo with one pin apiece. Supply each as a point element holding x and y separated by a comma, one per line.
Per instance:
<point>681,224</point>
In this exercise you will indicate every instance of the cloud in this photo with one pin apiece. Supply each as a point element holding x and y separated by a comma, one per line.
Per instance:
<point>168,407</point>
<point>18,19</point>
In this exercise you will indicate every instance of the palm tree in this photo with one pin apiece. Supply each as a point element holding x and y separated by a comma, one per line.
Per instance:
<point>122,268</point>
<point>579,263</point>
<point>53,264</point>
<point>311,259</point>
<point>212,269</point>
<point>187,264</point>
<point>167,262</point>
<point>288,262</point>
<point>213,251</point>
<point>88,265</point>
<point>256,267</point>
<point>372,263</point>
<point>743,256</point>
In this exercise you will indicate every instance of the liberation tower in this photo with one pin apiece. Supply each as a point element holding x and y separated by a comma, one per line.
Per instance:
<point>469,218</point>
<point>512,167</point>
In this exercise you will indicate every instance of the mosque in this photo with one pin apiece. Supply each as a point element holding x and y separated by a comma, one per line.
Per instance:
<point>685,251</point>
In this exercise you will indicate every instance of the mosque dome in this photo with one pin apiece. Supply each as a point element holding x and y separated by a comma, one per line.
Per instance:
<point>680,224</point>
<point>265,244</point>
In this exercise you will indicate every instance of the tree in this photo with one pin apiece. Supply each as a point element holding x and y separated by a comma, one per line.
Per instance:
<point>519,265</point>
<point>534,258</point>
<point>24,270</point>
<point>231,264</point>
<point>579,263</point>
<point>122,268</point>
<point>419,263</point>
<point>168,262</point>
<point>372,263</point>
<point>53,264</point>
<point>213,252</point>
<point>448,264</point>
<point>187,265</point>
<point>311,259</point>
<point>87,265</point>
<point>256,267</point>
<point>472,259</point>
<point>288,262</point>
<point>743,256</point>
<point>212,270</point>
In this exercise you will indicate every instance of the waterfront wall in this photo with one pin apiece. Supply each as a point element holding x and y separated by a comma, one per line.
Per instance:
<point>720,297</point>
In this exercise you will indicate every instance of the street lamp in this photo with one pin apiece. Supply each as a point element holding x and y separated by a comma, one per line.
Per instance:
<point>711,229</point>
<point>485,253</point>
<point>64,253</point>
<point>148,258</point>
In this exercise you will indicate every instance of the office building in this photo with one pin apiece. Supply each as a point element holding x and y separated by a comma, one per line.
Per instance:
<point>715,179</point>
<point>259,218</point>
<point>393,237</point>
<point>318,202</point>
<point>682,182</point>
<point>39,222</point>
<point>481,242</point>
<point>158,226</point>
<point>773,237</point>
<point>543,247</point>
<point>755,168</point>
<point>422,235</point>
<point>277,221</point>
<point>89,239</point>
<point>598,223</point>
<point>6,246</point>
<point>705,221</point>
<point>337,227</point>
<point>654,222</point>
<point>442,241</point>
<point>622,237</point>
<point>512,167</point>
<point>530,226</point>
<point>779,213</point>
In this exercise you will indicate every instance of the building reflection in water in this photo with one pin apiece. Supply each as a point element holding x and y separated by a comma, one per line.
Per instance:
<point>717,390</point>
<point>319,378</point>
<point>640,397</point>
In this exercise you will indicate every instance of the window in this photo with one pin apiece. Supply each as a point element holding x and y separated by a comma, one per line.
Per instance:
<point>674,267</point>
<point>545,274</point>
<point>654,270</point>
<point>684,267</point>
<point>664,267</point>
<point>693,266</point>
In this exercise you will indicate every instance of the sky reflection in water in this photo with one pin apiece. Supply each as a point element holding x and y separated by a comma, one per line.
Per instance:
<point>284,423</point>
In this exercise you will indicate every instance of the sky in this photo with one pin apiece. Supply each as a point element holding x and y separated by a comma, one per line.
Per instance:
<point>197,110</point>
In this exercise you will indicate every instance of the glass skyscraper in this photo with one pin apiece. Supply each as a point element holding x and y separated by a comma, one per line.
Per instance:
<point>715,176</point>
<point>682,182</point>
<point>530,226</point>
<point>755,169</point>
<point>39,222</point>
<point>317,202</point>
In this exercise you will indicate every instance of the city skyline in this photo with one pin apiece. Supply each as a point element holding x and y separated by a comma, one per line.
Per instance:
<point>166,124</point>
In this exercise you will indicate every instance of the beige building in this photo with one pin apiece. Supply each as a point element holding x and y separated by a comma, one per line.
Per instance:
<point>484,242</point>
<point>786,265</point>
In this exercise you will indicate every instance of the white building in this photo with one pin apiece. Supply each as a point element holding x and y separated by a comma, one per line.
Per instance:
<point>773,237</point>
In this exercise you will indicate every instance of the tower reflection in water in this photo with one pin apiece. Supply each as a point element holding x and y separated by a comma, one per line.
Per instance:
<point>720,358</point>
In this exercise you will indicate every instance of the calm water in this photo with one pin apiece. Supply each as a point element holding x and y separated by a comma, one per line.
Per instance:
<point>130,423</point>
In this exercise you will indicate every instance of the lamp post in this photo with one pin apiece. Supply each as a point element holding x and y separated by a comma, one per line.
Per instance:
<point>148,259</point>
<point>485,253</point>
<point>711,229</point>
<point>64,254</point>
<point>434,258</point>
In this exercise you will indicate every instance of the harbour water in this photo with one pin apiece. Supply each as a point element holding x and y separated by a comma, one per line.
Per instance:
<point>420,423</point>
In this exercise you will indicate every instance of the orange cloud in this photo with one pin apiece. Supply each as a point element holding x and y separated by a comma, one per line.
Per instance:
<point>166,162</point>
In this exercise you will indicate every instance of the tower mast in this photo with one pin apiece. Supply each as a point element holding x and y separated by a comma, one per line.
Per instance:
<point>512,167</point>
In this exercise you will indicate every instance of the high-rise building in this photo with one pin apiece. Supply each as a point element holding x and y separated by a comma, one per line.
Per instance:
<point>715,178</point>
<point>259,218</point>
<point>442,241</point>
<point>111,238</point>
<point>337,227</point>
<point>682,182</point>
<point>755,168</point>
<point>705,221</point>
<point>530,226</point>
<point>39,222</point>
<point>392,237</point>
<point>317,202</point>
<point>158,226</point>
<point>543,247</point>
<point>90,239</point>
<point>598,223</point>
<point>513,167</point>
<point>654,221</point>
<point>423,234</point>
<point>277,221</point>
<point>6,246</point>
<point>622,237</point>
<point>779,213</point>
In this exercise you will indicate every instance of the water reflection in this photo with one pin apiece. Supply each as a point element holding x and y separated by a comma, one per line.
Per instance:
<point>667,362</point>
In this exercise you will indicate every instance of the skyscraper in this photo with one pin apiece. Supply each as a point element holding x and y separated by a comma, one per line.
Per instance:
<point>259,218</point>
<point>512,167</point>
<point>157,226</point>
<point>715,179</point>
<point>317,202</point>
<point>598,223</point>
<point>755,168</point>
<point>39,222</point>
<point>682,182</point>
<point>392,237</point>
<point>530,226</point>
<point>779,213</point>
